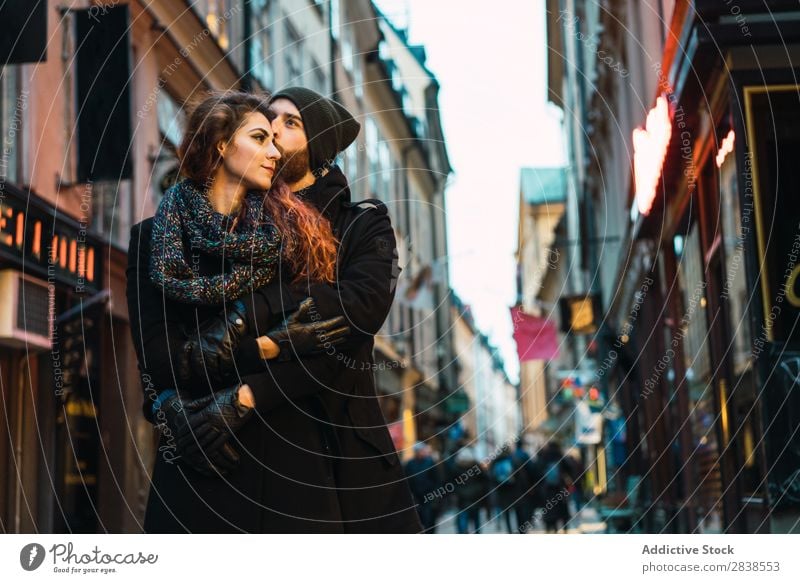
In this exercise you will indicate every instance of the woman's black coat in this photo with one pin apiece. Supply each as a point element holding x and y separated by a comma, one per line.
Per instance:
<point>317,457</point>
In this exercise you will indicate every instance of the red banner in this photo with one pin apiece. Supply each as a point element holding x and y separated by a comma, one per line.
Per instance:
<point>537,338</point>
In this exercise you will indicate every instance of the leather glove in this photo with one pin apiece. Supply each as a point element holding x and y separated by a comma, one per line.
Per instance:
<point>219,459</point>
<point>301,333</point>
<point>211,424</point>
<point>209,352</point>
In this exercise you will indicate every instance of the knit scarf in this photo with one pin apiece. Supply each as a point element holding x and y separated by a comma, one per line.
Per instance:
<point>253,247</point>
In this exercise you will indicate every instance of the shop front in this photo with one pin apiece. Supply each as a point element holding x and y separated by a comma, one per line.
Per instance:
<point>718,344</point>
<point>68,379</point>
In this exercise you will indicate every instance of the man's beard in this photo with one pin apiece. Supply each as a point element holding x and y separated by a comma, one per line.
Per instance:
<point>292,166</point>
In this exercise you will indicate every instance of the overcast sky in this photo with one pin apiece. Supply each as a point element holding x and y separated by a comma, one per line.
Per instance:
<point>491,64</point>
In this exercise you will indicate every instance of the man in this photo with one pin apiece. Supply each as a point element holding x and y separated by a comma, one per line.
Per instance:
<point>355,482</point>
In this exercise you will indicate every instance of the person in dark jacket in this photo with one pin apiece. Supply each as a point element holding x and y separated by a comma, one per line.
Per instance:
<point>471,488</point>
<point>313,453</point>
<point>424,479</point>
<point>506,484</point>
<point>555,483</point>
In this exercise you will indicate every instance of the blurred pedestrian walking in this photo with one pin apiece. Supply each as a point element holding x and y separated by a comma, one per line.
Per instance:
<point>506,487</point>
<point>556,481</point>
<point>471,488</point>
<point>424,479</point>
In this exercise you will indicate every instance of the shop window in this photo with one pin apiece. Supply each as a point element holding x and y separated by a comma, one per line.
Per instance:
<point>694,330</point>
<point>775,124</point>
<point>770,183</point>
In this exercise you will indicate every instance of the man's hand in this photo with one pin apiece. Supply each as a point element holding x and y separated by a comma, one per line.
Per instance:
<point>211,349</point>
<point>303,333</point>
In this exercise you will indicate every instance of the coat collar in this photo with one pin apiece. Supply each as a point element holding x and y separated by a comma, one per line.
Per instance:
<point>328,193</point>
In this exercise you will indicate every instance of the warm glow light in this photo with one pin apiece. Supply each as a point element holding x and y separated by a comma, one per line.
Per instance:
<point>73,255</point>
<point>37,238</point>
<point>90,265</point>
<point>5,214</point>
<point>725,148</point>
<point>20,229</point>
<point>82,261</point>
<point>62,253</point>
<point>649,150</point>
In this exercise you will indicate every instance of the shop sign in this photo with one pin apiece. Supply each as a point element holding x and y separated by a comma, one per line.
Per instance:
<point>37,239</point>
<point>588,425</point>
<point>579,314</point>
<point>649,150</point>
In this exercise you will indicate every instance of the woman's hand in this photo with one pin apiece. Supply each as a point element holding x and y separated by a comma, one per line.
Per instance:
<point>267,348</point>
<point>246,396</point>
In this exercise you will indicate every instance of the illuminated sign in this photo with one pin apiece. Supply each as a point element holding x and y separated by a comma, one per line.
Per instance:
<point>725,148</point>
<point>50,246</point>
<point>579,314</point>
<point>649,150</point>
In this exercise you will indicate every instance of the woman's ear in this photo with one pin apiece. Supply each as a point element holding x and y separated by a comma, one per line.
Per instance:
<point>221,145</point>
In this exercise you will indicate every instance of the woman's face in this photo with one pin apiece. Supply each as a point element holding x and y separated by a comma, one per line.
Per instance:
<point>251,156</point>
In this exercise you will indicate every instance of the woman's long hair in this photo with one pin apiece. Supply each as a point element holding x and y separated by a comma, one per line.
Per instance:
<point>308,244</point>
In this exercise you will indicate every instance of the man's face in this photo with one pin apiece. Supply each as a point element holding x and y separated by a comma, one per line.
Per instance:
<point>290,139</point>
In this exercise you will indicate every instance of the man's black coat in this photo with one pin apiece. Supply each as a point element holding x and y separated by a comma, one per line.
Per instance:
<point>317,457</point>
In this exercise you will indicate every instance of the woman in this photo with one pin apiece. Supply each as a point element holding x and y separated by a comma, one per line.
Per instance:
<point>277,462</point>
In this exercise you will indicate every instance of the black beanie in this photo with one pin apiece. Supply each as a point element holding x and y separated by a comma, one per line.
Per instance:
<point>329,127</point>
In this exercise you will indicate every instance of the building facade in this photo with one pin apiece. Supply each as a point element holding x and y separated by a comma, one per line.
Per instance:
<point>490,416</point>
<point>688,110</point>
<point>92,105</point>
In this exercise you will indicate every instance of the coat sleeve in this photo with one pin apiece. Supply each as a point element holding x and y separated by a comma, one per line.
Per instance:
<point>283,382</point>
<point>365,281</point>
<point>156,333</point>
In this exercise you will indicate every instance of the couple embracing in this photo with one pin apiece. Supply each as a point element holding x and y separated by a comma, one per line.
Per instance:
<point>255,283</point>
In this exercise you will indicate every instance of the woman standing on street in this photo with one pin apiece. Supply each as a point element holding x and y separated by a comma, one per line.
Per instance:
<point>231,459</point>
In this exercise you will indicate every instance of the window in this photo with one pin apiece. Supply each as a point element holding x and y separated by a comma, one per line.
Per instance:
<point>358,80</point>
<point>169,117</point>
<point>294,55</point>
<point>316,78</point>
<point>371,131</point>
<point>217,15</point>
<point>347,50</point>
<point>12,106</point>
<point>335,19</point>
<point>350,167</point>
<point>385,185</point>
<point>262,43</point>
<point>111,209</point>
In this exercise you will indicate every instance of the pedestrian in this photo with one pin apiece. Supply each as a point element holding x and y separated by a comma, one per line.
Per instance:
<point>526,477</point>
<point>555,481</point>
<point>470,490</point>
<point>425,482</point>
<point>506,485</point>
<point>297,442</point>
